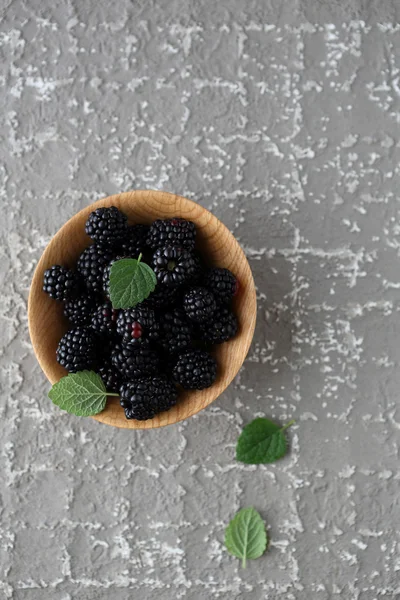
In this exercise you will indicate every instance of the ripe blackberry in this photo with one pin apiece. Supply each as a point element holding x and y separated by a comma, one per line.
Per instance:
<point>172,232</point>
<point>134,241</point>
<point>103,319</point>
<point>59,282</point>
<point>111,377</point>
<point>173,265</point>
<point>77,349</point>
<point>162,297</point>
<point>106,274</point>
<point>144,398</point>
<point>106,225</point>
<point>138,325</point>
<point>91,265</point>
<point>199,304</point>
<point>134,361</point>
<point>175,332</point>
<point>222,282</point>
<point>195,370</point>
<point>79,310</point>
<point>222,327</point>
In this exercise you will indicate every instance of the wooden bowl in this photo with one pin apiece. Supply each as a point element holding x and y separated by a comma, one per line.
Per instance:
<point>47,323</point>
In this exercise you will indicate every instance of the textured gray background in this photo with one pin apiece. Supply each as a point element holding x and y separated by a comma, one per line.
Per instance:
<point>283,119</point>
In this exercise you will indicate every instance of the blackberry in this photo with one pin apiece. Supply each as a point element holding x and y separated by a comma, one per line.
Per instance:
<point>134,361</point>
<point>59,282</point>
<point>144,398</point>
<point>137,325</point>
<point>199,304</point>
<point>175,332</point>
<point>91,265</point>
<point>111,377</point>
<point>103,319</point>
<point>198,268</point>
<point>222,327</point>
<point>195,370</point>
<point>79,310</point>
<point>172,232</point>
<point>162,297</point>
<point>134,241</point>
<point>77,349</point>
<point>106,225</point>
<point>106,275</point>
<point>173,265</point>
<point>222,282</point>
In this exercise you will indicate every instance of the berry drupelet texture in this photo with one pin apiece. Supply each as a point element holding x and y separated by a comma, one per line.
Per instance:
<point>176,332</point>
<point>79,310</point>
<point>199,304</point>
<point>133,242</point>
<point>222,282</point>
<point>111,377</point>
<point>173,266</point>
<point>106,225</point>
<point>222,327</point>
<point>147,396</point>
<point>138,325</point>
<point>60,283</point>
<point>77,349</point>
<point>134,361</point>
<point>91,264</point>
<point>104,319</point>
<point>195,370</point>
<point>172,232</point>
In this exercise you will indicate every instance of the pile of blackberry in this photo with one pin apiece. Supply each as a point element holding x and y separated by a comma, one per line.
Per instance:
<point>146,353</point>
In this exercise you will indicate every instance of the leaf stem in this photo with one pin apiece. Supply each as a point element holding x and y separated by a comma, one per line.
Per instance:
<point>292,422</point>
<point>111,394</point>
<point>139,257</point>
<point>243,562</point>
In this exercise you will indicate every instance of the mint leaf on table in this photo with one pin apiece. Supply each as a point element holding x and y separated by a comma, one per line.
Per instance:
<point>245,536</point>
<point>82,394</point>
<point>261,442</point>
<point>131,282</point>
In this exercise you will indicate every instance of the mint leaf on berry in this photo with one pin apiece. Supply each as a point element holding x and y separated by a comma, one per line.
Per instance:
<point>131,282</point>
<point>82,394</point>
<point>261,441</point>
<point>245,536</point>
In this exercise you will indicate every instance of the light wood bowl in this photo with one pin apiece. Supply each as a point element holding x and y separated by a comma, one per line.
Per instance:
<point>47,323</point>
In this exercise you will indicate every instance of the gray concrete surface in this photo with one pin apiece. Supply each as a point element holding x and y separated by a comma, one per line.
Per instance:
<point>283,119</point>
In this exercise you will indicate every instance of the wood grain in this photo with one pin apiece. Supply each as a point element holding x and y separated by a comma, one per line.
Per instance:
<point>47,323</point>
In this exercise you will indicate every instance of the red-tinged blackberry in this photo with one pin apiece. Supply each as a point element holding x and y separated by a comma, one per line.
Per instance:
<point>134,241</point>
<point>91,265</point>
<point>145,397</point>
<point>195,370</point>
<point>138,325</point>
<point>134,361</point>
<point>77,349</point>
<point>111,377</point>
<point>106,225</point>
<point>172,232</point>
<point>222,282</point>
<point>79,310</point>
<point>175,331</point>
<point>59,282</point>
<point>199,304</point>
<point>222,327</point>
<point>173,266</point>
<point>104,319</point>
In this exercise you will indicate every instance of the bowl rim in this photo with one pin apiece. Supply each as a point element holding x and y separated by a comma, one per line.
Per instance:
<point>162,197</point>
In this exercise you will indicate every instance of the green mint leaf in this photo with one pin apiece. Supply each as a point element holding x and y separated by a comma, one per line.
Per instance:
<point>245,536</point>
<point>82,394</point>
<point>131,282</point>
<point>261,442</point>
